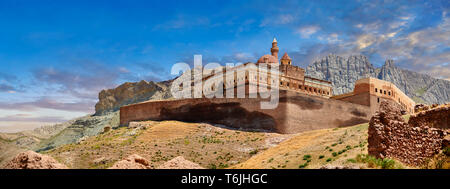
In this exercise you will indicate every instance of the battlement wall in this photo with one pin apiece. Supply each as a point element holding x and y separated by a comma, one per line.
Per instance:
<point>295,112</point>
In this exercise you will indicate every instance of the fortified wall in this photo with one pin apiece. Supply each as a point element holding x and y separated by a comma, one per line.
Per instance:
<point>411,143</point>
<point>305,103</point>
<point>295,112</point>
<point>371,92</point>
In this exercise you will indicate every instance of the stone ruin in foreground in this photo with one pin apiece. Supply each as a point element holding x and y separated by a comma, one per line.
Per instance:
<point>413,142</point>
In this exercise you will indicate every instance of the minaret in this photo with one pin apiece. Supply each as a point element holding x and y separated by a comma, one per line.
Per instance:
<point>274,49</point>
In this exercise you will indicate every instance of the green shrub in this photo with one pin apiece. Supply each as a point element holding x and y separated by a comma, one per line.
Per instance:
<point>334,154</point>
<point>212,166</point>
<point>446,151</point>
<point>305,157</point>
<point>321,156</point>
<point>329,159</point>
<point>376,162</point>
<point>253,152</point>
<point>303,165</point>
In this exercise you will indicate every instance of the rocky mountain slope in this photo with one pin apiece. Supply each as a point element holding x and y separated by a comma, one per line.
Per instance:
<point>344,72</point>
<point>49,137</point>
<point>129,93</point>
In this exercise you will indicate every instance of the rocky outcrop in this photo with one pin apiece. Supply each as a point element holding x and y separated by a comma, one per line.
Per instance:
<point>79,128</point>
<point>33,160</point>
<point>341,72</point>
<point>132,162</point>
<point>344,72</point>
<point>179,163</point>
<point>391,137</point>
<point>129,93</point>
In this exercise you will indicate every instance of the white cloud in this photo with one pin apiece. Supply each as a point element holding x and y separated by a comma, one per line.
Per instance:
<point>123,70</point>
<point>286,18</point>
<point>307,31</point>
<point>364,41</point>
<point>331,38</point>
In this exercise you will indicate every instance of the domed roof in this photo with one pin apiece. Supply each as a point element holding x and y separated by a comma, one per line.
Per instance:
<point>286,57</point>
<point>267,59</point>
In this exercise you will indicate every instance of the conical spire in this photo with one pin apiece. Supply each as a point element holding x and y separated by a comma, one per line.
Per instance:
<point>274,40</point>
<point>286,57</point>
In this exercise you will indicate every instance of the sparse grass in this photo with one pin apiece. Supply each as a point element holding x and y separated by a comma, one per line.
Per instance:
<point>373,162</point>
<point>209,146</point>
<point>319,144</point>
<point>253,152</point>
<point>303,165</point>
<point>446,151</point>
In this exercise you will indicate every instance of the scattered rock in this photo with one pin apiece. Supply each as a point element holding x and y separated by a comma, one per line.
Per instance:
<point>82,139</point>
<point>33,160</point>
<point>100,161</point>
<point>135,124</point>
<point>106,129</point>
<point>179,163</point>
<point>132,162</point>
<point>340,167</point>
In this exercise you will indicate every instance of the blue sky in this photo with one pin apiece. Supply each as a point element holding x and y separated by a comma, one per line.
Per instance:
<point>55,56</point>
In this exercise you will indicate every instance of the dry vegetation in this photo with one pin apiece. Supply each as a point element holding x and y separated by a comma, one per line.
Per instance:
<point>217,147</point>
<point>207,145</point>
<point>314,149</point>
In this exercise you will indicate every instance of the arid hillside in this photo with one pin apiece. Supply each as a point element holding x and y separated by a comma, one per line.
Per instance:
<point>326,148</point>
<point>207,145</point>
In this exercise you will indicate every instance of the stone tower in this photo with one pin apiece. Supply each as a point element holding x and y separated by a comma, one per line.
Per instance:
<point>274,49</point>
<point>286,60</point>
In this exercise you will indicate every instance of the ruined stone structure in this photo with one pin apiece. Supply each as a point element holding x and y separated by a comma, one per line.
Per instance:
<point>304,102</point>
<point>411,143</point>
<point>438,117</point>
<point>371,92</point>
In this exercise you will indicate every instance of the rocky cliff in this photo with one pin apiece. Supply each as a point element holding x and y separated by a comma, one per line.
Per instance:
<point>129,93</point>
<point>344,72</point>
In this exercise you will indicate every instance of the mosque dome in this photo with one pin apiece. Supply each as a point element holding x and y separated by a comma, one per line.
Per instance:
<point>267,59</point>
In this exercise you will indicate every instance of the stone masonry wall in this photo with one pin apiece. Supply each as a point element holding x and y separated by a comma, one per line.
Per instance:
<point>295,112</point>
<point>391,137</point>
<point>438,117</point>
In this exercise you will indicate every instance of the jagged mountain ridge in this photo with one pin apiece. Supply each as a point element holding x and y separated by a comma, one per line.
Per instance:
<point>343,73</point>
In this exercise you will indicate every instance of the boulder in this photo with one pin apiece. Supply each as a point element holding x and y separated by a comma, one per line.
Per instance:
<point>33,160</point>
<point>132,162</point>
<point>180,163</point>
